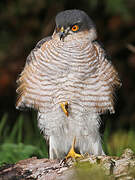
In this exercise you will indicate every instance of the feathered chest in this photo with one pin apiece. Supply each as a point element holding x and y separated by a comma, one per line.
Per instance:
<point>61,60</point>
<point>59,72</point>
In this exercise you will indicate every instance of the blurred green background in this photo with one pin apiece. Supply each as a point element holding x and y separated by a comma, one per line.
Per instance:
<point>22,25</point>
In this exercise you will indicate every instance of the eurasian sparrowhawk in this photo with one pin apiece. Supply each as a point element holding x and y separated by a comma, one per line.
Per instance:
<point>69,81</point>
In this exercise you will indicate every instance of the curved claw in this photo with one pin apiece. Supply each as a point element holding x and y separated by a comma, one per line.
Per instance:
<point>72,152</point>
<point>64,107</point>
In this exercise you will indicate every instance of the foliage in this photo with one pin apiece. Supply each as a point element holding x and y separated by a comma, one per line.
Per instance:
<point>121,140</point>
<point>11,153</point>
<point>115,143</point>
<point>22,141</point>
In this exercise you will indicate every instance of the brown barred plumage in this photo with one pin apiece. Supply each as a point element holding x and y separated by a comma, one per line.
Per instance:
<point>73,70</point>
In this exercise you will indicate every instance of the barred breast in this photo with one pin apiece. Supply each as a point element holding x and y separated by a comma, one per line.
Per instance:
<point>58,72</point>
<point>78,74</point>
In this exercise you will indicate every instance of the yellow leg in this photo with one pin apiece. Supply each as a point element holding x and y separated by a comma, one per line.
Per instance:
<point>64,107</point>
<point>72,152</point>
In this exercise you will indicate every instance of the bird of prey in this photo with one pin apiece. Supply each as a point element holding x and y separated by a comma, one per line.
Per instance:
<point>68,79</point>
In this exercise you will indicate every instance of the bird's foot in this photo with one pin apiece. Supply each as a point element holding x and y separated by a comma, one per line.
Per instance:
<point>64,107</point>
<point>71,156</point>
<point>72,153</point>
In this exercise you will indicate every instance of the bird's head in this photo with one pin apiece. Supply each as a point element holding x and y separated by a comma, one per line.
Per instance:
<point>74,22</point>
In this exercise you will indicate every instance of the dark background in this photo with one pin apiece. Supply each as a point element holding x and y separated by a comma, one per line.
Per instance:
<point>24,23</point>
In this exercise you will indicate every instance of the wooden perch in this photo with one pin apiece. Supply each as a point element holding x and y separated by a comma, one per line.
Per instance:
<point>45,169</point>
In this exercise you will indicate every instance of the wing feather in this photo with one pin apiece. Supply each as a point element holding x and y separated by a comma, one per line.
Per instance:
<point>108,77</point>
<point>29,81</point>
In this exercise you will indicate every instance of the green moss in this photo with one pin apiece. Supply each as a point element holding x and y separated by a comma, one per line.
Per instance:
<point>87,171</point>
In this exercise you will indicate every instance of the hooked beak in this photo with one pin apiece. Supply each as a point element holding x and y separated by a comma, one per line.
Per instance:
<point>62,33</point>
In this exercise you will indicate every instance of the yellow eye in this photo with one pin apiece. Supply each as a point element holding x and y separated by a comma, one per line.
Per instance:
<point>75,28</point>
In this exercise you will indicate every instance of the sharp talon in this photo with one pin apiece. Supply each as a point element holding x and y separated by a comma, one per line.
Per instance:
<point>64,107</point>
<point>72,152</point>
<point>64,163</point>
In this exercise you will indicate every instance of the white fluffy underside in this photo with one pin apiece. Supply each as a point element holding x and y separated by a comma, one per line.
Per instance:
<point>61,131</point>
